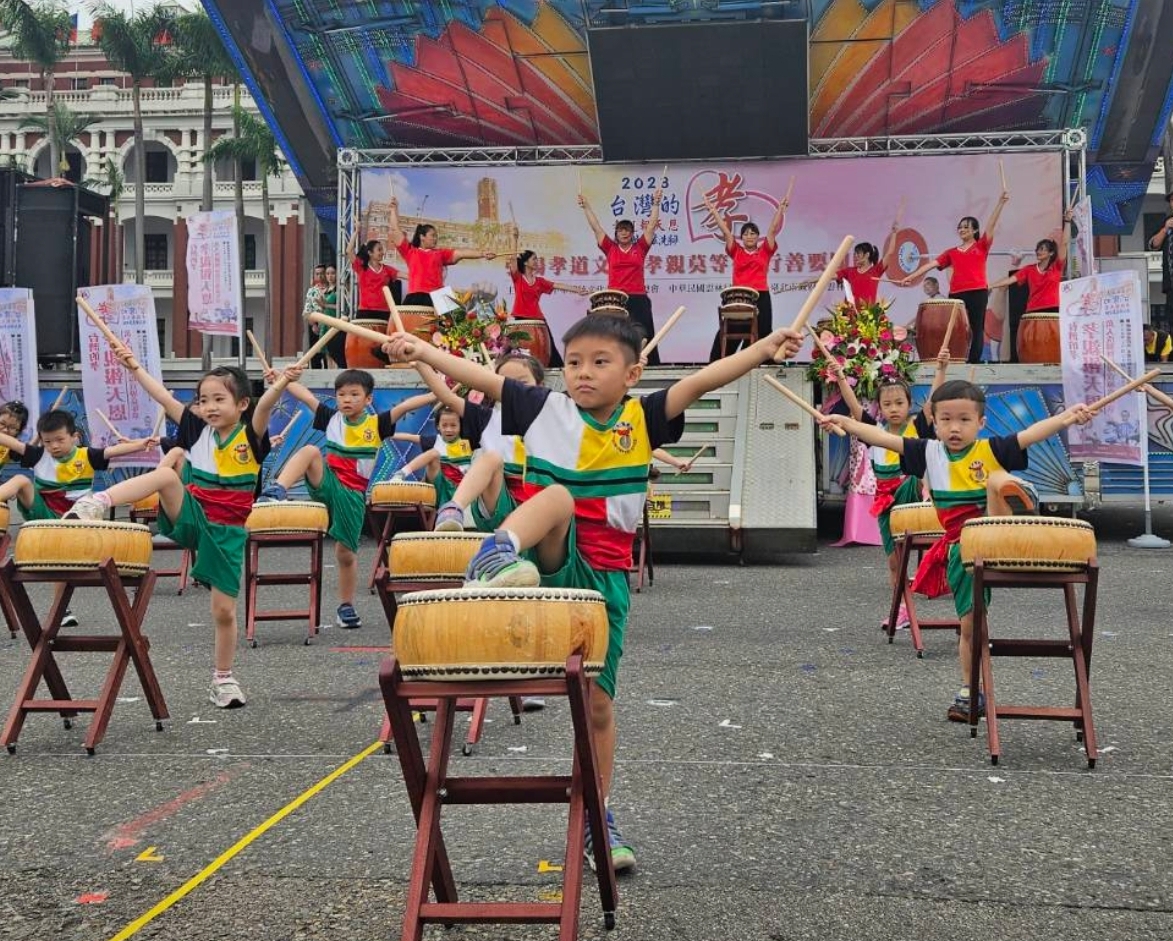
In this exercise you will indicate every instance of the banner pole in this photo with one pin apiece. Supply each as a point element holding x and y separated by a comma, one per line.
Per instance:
<point>1148,539</point>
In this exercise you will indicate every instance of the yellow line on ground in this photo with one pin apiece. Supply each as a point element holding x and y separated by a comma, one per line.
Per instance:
<point>208,871</point>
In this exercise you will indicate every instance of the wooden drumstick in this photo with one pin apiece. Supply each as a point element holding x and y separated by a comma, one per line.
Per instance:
<point>395,318</point>
<point>1152,391</point>
<point>662,332</point>
<point>949,329</point>
<point>109,424</point>
<point>293,421</point>
<point>816,293</point>
<point>257,351</point>
<point>347,326</point>
<point>487,355</point>
<point>111,338</point>
<point>832,362</point>
<point>900,212</point>
<point>1002,173</point>
<point>35,439</point>
<point>972,374</point>
<point>680,470</point>
<point>663,174</point>
<point>159,423</point>
<point>803,404</point>
<point>281,381</point>
<point>789,190</point>
<point>1111,397</point>
<point>579,171</point>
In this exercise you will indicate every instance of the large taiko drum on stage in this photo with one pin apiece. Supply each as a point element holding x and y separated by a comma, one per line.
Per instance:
<point>288,516</point>
<point>915,519</point>
<point>463,634</point>
<point>393,493</point>
<point>739,295</point>
<point>1038,338</point>
<point>77,545</point>
<point>418,319</point>
<point>1028,543</point>
<point>610,302</point>
<point>360,352</point>
<point>932,320</point>
<point>432,557</point>
<point>538,343</point>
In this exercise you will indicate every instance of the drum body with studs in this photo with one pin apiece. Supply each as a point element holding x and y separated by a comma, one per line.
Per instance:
<point>403,493</point>
<point>1038,338</point>
<point>932,323</point>
<point>1028,544</point>
<point>538,344</point>
<point>463,634</point>
<point>739,295</point>
<point>360,352</point>
<point>288,516</point>
<point>610,299</point>
<point>431,557</point>
<point>148,504</point>
<point>915,519</point>
<point>78,545</point>
<point>418,319</point>
<point>738,311</point>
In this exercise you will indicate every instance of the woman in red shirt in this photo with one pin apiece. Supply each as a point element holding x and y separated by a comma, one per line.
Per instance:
<point>751,263</point>
<point>426,264</point>
<point>625,263</point>
<point>372,276</point>
<point>1043,277</point>
<point>864,275</point>
<point>968,282</point>
<point>528,289</point>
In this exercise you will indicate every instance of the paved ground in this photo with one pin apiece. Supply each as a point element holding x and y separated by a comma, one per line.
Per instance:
<point>783,774</point>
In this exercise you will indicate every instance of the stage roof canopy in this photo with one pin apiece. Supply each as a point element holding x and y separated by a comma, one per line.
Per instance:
<point>468,73</point>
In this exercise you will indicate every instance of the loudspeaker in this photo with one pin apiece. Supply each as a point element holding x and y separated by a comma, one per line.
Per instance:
<point>46,261</point>
<point>701,90</point>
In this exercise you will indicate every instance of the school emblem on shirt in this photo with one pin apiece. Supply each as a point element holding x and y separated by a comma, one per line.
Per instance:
<point>977,470</point>
<point>368,435</point>
<point>78,466</point>
<point>622,438</point>
<point>240,452</point>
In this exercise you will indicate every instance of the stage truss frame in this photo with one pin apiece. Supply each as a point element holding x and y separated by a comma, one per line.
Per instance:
<point>1072,142</point>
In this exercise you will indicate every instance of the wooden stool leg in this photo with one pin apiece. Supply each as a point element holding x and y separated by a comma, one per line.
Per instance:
<point>1083,696</point>
<point>315,588</point>
<point>132,618</point>
<point>476,727</point>
<point>252,566</point>
<point>981,674</point>
<point>516,709</point>
<point>380,567</point>
<point>903,551</point>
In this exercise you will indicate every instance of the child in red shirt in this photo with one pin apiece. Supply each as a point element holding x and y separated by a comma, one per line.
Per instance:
<point>1043,277</point>
<point>528,289</point>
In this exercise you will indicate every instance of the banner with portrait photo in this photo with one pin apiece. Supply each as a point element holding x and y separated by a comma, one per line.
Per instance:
<point>215,299</point>
<point>109,388</point>
<point>1103,316</point>
<point>18,352</point>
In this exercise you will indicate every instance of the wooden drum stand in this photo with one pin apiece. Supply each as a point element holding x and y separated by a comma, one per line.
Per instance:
<point>288,523</point>
<point>396,500</point>
<point>915,528</point>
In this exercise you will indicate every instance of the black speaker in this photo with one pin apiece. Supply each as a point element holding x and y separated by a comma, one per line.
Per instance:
<point>701,90</point>
<point>46,261</point>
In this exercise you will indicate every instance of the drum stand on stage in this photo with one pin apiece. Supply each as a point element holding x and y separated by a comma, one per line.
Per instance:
<point>429,788</point>
<point>128,646</point>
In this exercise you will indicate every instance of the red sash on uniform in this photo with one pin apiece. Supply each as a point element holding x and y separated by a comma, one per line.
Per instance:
<point>885,497</point>
<point>930,579</point>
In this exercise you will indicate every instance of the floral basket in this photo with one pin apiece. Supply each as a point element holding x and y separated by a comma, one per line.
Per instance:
<point>868,346</point>
<point>478,322</point>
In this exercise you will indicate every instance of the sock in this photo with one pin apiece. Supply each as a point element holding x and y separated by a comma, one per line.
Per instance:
<point>220,675</point>
<point>103,498</point>
<point>512,538</point>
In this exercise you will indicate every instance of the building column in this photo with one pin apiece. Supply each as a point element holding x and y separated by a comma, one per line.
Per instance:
<point>292,278</point>
<point>180,337</point>
<point>97,250</point>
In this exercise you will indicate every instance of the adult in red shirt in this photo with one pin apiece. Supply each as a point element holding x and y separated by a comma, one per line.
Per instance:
<point>864,274</point>
<point>751,263</point>
<point>1043,277</point>
<point>528,289</point>
<point>625,263</point>
<point>968,282</point>
<point>426,263</point>
<point>372,276</point>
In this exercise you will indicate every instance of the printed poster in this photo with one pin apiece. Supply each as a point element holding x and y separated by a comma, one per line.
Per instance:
<point>18,353</point>
<point>215,298</point>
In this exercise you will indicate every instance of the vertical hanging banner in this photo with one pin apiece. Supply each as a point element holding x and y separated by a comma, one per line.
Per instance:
<point>214,294</point>
<point>18,352</point>
<point>1082,253</point>
<point>129,311</point>
<point>1102,316</point>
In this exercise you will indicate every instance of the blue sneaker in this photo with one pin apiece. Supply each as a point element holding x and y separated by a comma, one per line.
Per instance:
<point>348,618</point>
<point>959,710</point>
<point>273,493</point>
<point>498,565</point>
<point>622,855</point>
<point>450,518</point>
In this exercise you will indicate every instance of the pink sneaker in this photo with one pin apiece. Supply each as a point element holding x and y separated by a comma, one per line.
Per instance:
<point>903,622</point>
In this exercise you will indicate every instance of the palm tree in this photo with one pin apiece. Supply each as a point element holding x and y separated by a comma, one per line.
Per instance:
<point>40,35</point>
<point>140,46</point>
<point>62,126</point>
<point>252,141</point>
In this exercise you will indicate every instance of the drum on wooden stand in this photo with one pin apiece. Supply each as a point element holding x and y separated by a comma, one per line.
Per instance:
<point>419,320</point>
<point>462,634</point>
<point>610,299</point>
<point>915,519</point>
<point>739,295</point>
<point>932,320</point>
<point>1028,544</point>
<point>1038,338</point>
<point>78,545</point>
<point>288,516</point>
<point>393,493</point>
<point>431,557</point>
<point>538,343</point>
<point>360,352</point>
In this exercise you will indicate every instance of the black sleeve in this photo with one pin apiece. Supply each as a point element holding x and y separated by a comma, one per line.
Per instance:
<point>191,426</point>
<point>868,419</point>
<point>1009,452</point>
<point>322,416</point>
<point>520,406</point>
<point>260,444</point>
<point>924,426</point>
<point>427,442</point>
<point>167,443</point>
<point>473,422</point>
<point>32,454</point>
<point>913,461</point>
<point>662,430</point>
<point>98,459</point>
<point>386,425</point>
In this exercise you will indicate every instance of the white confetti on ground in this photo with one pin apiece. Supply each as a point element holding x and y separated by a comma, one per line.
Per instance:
<point>519,748</point>
<point>703,627</point>
<point>726,724</point>
<point>995,780</point>
<point>661,702</point>
<point>766,754</point>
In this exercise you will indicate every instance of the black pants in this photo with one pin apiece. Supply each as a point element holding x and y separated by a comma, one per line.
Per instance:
<point>639,308</point>
<point>765,319</point>
<point>318,360</point>
<point>336,349</point>
<point>975,311</point>
<point>416,299</point>
<point>1016,298</point>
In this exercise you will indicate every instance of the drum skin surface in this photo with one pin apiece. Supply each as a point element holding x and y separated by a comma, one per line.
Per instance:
<point>403,493</point>
<point>1028,543</point>
<point>76,545</point>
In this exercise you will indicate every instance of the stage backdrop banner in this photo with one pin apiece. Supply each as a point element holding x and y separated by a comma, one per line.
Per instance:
<point>832,197</point>
<point>1082,255</point>
<point>129,311</point>
<point>18,353</point>
<point>214,295</point>
<point>1103,316</point>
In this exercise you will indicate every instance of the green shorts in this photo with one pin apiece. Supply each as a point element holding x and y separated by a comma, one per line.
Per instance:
<point>348,508</point>
<point>39,509</point>
<point>907,492</point>
<point>445,489</point>
<point>218,547</point>
<point>613,586</point>
<point>961,582</point>
<point>491,522</point>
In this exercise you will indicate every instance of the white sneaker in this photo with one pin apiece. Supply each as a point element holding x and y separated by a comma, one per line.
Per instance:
<point>87,508</point>
<point>226,694</point>
<point>69,619</point>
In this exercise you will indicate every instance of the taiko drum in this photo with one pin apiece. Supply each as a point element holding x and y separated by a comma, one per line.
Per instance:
<point>77,545</point>
<point>1028,543</point>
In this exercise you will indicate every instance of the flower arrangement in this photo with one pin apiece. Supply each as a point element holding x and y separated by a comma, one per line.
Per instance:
<point>476,322</point>
<point>868,346</point>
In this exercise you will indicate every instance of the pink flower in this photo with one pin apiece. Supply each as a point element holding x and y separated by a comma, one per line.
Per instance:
<point>852,381</point>
<point>905,347</point>
<point>828,338</point>
<point>471,315</point>
<point>885,334</point>
<point>888,369</point>
<point>899,334</point>
<point>494,331</point>
<point>437,338</point>
<point>476,396</point>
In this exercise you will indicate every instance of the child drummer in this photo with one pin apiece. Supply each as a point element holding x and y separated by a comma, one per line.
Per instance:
<point>338,474</point>
<point>968,477</point>
<point>588,451</point>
